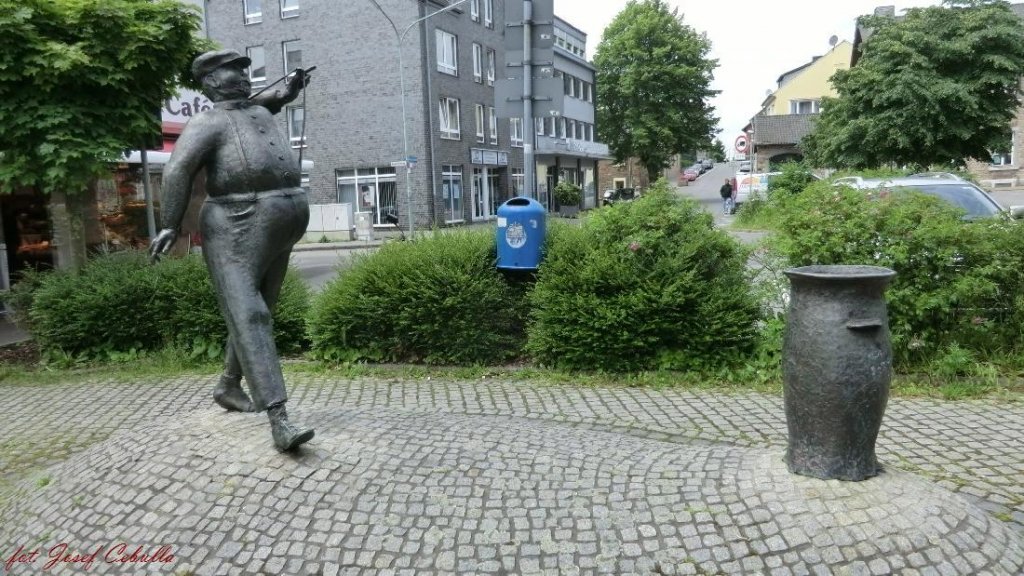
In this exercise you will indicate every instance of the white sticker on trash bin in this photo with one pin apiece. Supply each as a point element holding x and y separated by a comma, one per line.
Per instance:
<point>515,236</point>
<point>502,222</point>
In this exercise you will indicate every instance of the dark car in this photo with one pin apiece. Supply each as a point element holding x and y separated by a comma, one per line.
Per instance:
<point>619,195</point>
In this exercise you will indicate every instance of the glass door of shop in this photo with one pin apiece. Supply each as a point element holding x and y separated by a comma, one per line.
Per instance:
<point>497,195</point>
<point>481,194</point>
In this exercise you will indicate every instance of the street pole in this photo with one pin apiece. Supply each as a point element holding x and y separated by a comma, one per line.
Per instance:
<point>147,192</point>
<point>399,40</point>
<point>529,167</point>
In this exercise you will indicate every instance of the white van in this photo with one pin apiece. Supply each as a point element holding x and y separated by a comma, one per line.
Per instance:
<point>752,185</point>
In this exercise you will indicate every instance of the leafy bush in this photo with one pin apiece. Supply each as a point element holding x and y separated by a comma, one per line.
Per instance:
<point>644,284</point>
<point>794,178</point>
<point>120,303</point>
<point>19,298</point>
<point>958,283</point>
<point>437,300</point>
<point>567,194</point>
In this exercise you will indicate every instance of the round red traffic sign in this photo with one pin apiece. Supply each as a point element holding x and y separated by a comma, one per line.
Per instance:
<point>741,143</point>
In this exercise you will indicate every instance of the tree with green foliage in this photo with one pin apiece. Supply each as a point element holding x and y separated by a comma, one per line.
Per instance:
<point>81,81</point>
<point>653,81</point>
<point>937,86</point>
<point>718,150</point>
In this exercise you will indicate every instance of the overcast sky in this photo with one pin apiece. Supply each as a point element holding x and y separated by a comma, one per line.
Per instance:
<point>755,41</point>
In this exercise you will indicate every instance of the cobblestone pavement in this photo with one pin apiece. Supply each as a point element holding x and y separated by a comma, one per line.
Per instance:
<point>495,477</point>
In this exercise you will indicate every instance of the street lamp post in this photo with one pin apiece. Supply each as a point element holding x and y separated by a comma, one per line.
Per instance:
<point>399,39</point>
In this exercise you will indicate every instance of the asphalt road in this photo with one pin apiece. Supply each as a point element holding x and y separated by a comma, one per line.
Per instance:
<point>318,267</point>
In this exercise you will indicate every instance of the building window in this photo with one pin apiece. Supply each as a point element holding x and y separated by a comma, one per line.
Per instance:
<point>518,182</point>
<point>447,53</point>
<point>515,132</point>
<point>552,129</point>
<point>489,13</point>
<point>451,191</point>
<point>474,10</point>
<point>478,64</point>
<point>479,122</point>
<point>804,106</point>
<point>449,114</point>
<point>491,66</point>
<point>370,190</point>
<point>289,8</point>
<point>588,92</point>
<point>292,52</point>
<point>258,67</point>
<point>493,122</point>
<point>561,128</point>
<point>296,121</point>
<point>253,13</point>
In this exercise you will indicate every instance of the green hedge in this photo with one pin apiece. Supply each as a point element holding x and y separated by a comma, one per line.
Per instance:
<point>958,284</point>
<point>120,302</point>
<point>437,300</point>
<point>641,285</point>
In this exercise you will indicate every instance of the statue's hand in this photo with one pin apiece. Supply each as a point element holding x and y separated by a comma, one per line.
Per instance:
<point>162,243</point>
<point>297,81</point>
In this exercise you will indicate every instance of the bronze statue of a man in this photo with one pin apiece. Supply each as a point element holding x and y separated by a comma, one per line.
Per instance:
<point>254,214</point>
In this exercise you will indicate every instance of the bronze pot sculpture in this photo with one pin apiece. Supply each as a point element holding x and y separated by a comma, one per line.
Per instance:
<point>836,369</point>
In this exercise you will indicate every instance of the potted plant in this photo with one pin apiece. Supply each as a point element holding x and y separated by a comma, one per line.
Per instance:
<point>568,197</point>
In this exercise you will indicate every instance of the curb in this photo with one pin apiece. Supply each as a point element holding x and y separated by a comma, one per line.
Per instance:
<point>352,245</point>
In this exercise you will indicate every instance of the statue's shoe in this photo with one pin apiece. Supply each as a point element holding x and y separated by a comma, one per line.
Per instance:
<point>229,395</point>
<point>287,436</point>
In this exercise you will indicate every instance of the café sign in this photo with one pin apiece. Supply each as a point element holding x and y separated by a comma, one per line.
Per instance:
<point>184,105</point>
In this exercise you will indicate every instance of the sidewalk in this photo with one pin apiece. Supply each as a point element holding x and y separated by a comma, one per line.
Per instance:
<point>498,476</point>
<point>9,333</point>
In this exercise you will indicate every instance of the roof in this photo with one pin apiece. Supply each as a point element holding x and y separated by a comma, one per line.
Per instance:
<point>782,76</point>
<point>782,129</point>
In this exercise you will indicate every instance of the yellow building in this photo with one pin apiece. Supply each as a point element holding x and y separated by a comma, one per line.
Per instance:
<point>788,113</point>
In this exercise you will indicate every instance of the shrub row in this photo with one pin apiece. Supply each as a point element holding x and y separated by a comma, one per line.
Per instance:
<point>641,285</point>
<point>959,283</point>
<point>438,300</point>
<point>120,302</point>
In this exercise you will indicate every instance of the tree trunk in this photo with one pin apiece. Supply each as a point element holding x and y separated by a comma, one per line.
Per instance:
<point>68,230</point>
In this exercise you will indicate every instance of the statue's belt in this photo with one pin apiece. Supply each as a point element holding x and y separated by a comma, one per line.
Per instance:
<point>255,196</point>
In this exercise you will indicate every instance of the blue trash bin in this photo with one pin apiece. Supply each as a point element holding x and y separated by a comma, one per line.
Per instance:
<point>521,232</point>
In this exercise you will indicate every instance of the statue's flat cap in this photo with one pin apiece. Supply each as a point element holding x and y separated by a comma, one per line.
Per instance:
<point>209,61</point>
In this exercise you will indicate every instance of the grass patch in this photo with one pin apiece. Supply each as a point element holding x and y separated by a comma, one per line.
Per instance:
<point>163,363</point>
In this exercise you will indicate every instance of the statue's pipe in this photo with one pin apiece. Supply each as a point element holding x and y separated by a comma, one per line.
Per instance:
<point>275,82</point>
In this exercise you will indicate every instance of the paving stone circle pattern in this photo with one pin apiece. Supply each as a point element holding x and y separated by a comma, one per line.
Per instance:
<point>403,490</point>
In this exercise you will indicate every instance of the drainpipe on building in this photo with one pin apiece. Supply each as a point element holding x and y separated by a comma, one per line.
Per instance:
<point>429,140</point>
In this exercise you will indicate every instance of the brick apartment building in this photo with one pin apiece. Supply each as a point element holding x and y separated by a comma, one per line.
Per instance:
<point>467,160</point>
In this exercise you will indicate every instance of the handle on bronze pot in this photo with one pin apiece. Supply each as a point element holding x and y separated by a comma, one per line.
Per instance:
<point>864,324</point>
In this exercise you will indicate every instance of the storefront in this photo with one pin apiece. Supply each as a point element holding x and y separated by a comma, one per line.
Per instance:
<point>489,183</point>
<point>568,160</point>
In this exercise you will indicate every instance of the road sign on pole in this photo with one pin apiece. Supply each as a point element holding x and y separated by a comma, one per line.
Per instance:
<point>741,144</point>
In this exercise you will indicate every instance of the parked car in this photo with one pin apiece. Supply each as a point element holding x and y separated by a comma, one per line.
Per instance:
<point>691,173</point>
<point>975,202</point>
<point>940,175</point>
<point>707,163</point>
<point>619,195</point>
